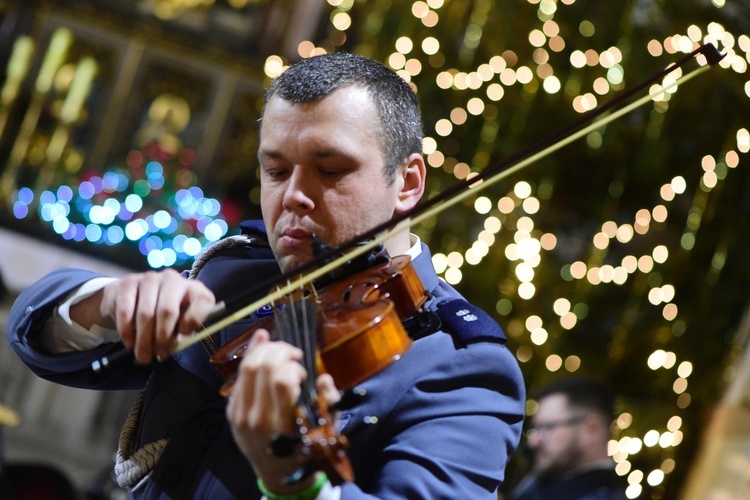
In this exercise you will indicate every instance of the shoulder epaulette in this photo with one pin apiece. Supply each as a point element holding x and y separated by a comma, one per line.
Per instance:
<point>253,228</point>
<point>468,323</point>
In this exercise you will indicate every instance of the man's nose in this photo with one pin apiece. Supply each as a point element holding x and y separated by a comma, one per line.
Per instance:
<point>298,194</point>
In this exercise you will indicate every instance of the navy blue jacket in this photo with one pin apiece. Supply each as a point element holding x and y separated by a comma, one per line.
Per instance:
<point>590,484</point>
<point>441,422</point>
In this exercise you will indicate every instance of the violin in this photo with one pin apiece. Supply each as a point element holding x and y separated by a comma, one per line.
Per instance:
<point>351,329</point>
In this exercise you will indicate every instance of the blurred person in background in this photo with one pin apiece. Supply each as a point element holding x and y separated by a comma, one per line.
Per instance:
<point>568,439</point>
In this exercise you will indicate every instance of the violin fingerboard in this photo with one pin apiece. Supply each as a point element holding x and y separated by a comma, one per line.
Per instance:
<point>296,323</point>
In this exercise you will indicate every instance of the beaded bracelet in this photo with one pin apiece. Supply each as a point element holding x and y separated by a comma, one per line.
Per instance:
<point>308,494</point>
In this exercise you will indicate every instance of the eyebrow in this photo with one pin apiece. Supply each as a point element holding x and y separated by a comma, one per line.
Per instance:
<point>323,153</point>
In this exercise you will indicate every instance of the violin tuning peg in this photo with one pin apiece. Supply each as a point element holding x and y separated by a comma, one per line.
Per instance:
<point>283,445</point>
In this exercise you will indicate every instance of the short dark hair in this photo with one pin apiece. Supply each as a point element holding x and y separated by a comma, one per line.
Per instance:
<point>400,128</point>
<point>584,393</point>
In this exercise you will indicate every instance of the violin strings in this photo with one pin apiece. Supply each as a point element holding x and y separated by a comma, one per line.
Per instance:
<point>295,324</point>
<point>309,348</point>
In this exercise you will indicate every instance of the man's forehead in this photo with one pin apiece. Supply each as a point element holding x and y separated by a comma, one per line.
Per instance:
<point>553,405</point>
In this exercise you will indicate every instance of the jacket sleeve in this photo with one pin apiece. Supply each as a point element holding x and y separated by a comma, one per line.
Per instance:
<point>31,310</point>
<point>449,434</point>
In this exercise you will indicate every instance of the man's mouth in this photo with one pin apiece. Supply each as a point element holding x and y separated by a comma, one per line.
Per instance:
<point>296,237</point>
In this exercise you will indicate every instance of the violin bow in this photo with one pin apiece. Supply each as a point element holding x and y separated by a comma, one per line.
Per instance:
<point>230,311</point>
<point>490,176</point>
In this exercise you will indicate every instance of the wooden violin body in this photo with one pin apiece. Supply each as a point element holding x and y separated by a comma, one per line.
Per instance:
<point>358,333</point>
<point>360,329</point>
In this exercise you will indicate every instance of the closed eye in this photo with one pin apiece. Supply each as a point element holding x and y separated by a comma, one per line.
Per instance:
<point>333,173</point>
<point>276,174</point>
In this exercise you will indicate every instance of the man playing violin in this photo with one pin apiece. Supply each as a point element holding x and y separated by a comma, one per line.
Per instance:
<point>340,152</point>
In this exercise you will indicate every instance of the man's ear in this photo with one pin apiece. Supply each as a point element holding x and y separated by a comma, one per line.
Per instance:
<point>411,179</point>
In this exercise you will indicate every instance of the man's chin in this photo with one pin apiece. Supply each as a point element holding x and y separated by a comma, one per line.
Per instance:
<point>548,472</point>
<point>290,262</point>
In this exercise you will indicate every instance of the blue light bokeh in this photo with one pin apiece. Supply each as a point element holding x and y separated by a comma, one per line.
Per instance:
<point>114,210</point>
